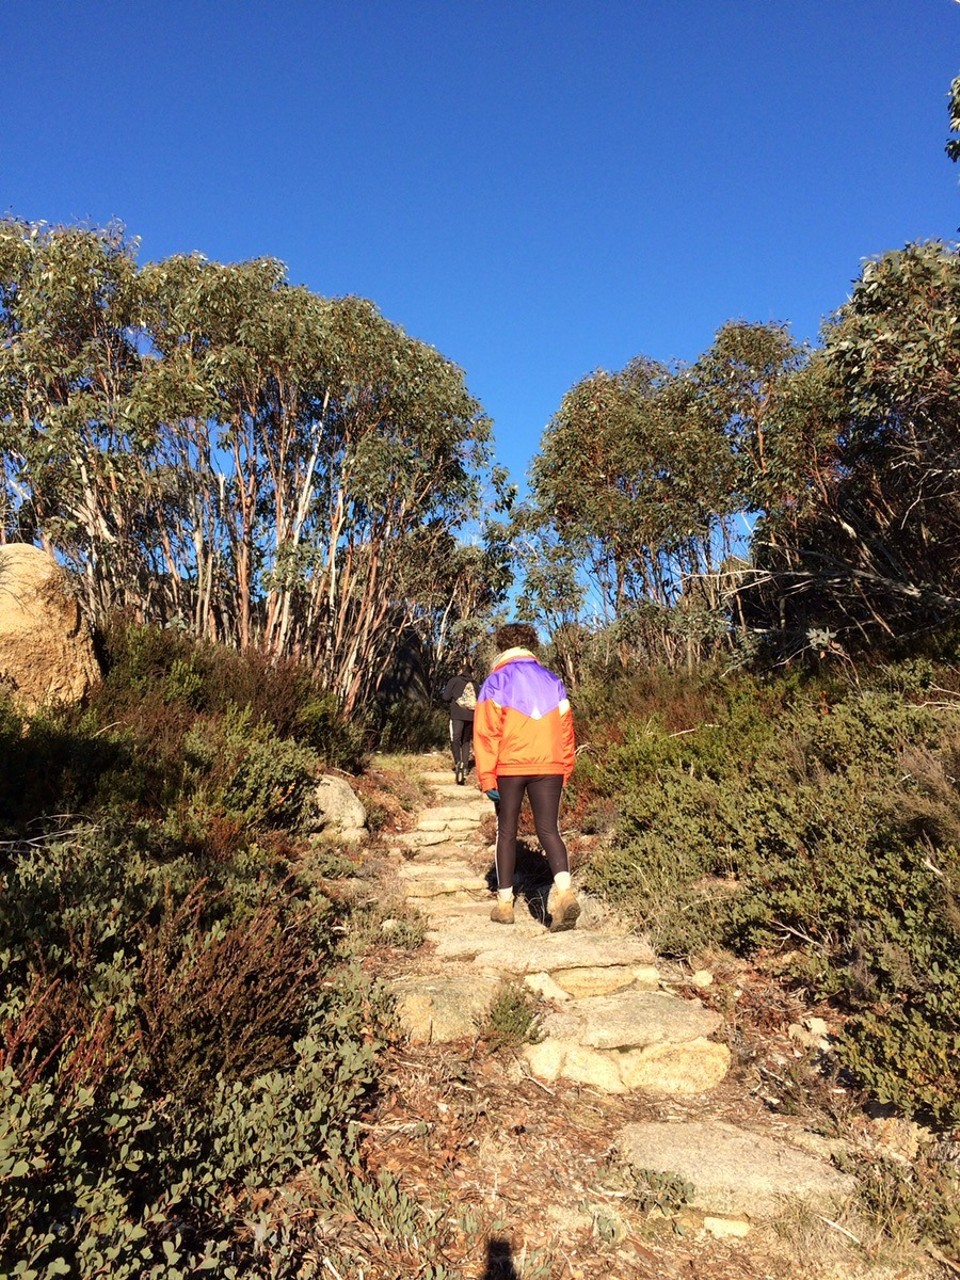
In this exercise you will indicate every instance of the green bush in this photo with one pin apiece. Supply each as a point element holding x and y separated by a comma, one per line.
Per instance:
<point>512,1018</point>
<point>113,1180</point>
<point>184,1044</point>
<point>825,821</point>
<point>229,999</point>
<point>165,1054</point>
<point>237,767</point>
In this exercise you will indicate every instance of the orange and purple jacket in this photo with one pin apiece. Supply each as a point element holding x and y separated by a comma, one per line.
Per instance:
<point>522,722</point>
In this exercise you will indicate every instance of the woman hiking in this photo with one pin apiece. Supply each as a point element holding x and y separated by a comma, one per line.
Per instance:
<point>461,693</point>
<point>523,743</point>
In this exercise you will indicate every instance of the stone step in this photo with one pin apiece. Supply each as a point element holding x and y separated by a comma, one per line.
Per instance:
<point>450,920</point>
<point>576,949</point>
<point>445,915</point>
<point>429,822</point>
<point>430,903</point>
<point>609,1026</point>
<point>636,1040</point>
<point>452,812</point>
<point>467,794</point>
<point>422,839</point>
<point>447,850</point>
<point>733,1172</point>
<point>439,1010</point>
<point>432,885</point>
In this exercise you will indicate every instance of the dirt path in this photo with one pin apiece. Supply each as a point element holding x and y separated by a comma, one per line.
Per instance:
<point>625,1143</point>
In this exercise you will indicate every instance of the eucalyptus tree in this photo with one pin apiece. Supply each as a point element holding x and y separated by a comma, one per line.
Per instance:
<point>875,552</point>
<point>554,593</point>
<point>75,450</point>
<point>412,449</point>
<point>319,454</point>
<point>953,144</point>
<point>469,583</point>
<point>632,491</point>
<point>211,445</point>
<point>746,382</point>
<point>238,356</point>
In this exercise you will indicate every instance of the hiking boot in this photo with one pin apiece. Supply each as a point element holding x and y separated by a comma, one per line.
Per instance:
<point>566,910</point>
<point>460,775</point>
<point>502,912</point>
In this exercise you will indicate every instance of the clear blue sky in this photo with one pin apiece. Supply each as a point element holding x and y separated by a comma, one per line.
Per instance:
<point>536,187</point>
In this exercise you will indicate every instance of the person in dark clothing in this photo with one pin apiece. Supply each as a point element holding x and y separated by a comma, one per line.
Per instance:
<point>461,693</point>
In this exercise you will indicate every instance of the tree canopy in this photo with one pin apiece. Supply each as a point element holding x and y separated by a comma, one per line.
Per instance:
<point>212,447</point>
<point>842,462</point>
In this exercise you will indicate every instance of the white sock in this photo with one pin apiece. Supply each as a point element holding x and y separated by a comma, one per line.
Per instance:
<point>562,880</point>
<point>505,895</point>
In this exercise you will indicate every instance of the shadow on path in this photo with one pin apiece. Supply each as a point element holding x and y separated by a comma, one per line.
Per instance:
<point>531,880</point>
<point>500,1261</point>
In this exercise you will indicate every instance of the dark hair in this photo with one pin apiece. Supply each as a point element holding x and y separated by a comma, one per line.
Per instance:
<point>517,635</point>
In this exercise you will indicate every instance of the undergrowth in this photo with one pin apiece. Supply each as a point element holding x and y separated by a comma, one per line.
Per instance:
<point>186,1044</point>
<point>512,1019</point>
<point>810,815</point>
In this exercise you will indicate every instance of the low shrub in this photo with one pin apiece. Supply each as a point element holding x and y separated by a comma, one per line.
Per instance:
<point>825,819</point>
<point>169,1051</point>
<point>237,771</point>
<point>226,1000</point>
<point>185,1045</point>
<point>512,1018</point>
<point>116,1181</point>
<point>149,667</point>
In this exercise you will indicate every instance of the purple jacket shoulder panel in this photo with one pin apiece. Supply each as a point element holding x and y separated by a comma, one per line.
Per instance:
<point>524,686</point>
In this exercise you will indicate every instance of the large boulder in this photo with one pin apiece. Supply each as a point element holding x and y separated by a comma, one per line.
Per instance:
<point>46,654</point>
<point>337,812</point>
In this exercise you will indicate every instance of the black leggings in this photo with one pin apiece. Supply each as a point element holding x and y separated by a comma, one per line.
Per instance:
<point>461,736</point>
<point>544,792</point>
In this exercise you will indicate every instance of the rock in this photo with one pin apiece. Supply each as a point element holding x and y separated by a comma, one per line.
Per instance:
<point>595,980</point>
<point>337,811</point>
<point>447,813</point>
<point>672,1070</point>
<point>423,839</point>
<point>576,949</point>
<point>543,985</point>
<point>438,1010</point>
<point>633,1020</point>
<point>46,653</point>
<point>437,854</point>
<point>726,1228</point>
<point>428,822</point>
<point>431,880</point>
<point>636,1040</point>
<point>678,1070</point>
<point>701,979</point>
<point>813,1033</point>
<point>551,1059</point>
<point>462,796</point>
<point>734,1173</point>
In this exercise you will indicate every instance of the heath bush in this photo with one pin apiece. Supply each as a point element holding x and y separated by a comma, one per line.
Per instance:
<point>820,818</point>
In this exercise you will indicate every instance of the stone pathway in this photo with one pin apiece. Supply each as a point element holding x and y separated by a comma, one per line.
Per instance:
<point>610,1025</point>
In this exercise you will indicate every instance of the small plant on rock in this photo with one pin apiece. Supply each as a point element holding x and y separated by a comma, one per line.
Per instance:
<point>512,1019</point>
